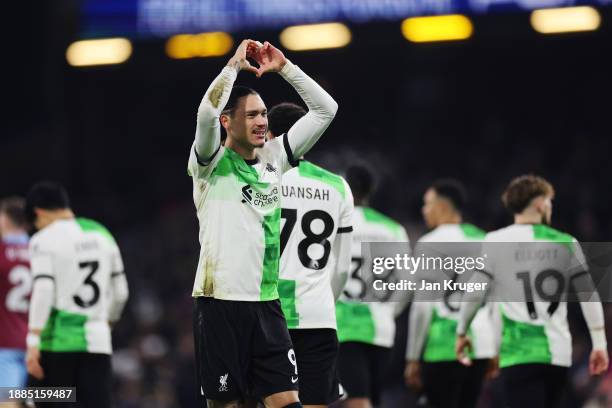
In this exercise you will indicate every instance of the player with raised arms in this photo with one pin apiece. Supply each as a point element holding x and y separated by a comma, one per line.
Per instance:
<point>317,211</point>
<point>532,262</point>
<point>79,290</point>
<point>243,347</point>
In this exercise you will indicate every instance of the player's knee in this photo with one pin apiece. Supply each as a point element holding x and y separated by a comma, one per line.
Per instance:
<point>284,399</point>
<point>357,403</point>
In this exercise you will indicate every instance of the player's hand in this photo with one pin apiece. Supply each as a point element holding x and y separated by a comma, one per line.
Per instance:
<point>239,61</point>
<point>33,363</point>
<point>269,58</point>
<point>598,362</point>
<point>462,344</point>
<point>412,375</point>
<point>492,368</point>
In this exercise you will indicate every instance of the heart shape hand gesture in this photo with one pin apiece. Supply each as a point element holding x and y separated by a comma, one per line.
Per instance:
<point>268,57</point>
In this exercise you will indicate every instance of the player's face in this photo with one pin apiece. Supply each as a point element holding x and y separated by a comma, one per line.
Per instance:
<point>249,123</point>
<point>431,208</point>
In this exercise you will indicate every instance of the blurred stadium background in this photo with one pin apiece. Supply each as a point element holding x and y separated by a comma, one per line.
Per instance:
<point>505,92</point>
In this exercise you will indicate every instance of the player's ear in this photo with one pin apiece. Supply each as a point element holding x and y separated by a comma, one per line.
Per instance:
<point>444,205</point>
<point>39,216</point>
<point>540,204</point>
<point>225,120</point>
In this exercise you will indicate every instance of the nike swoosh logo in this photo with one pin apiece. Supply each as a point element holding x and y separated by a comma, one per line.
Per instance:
<point>294,380</point>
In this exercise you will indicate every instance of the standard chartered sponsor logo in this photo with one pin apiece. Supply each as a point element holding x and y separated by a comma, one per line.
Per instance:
<point>260,199</point>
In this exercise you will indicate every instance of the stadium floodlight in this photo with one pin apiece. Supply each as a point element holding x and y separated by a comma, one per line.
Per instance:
<point>450,27</point>
<point>565,20</point>
<point>99,52</point>
<point>315,36</point>
<point>214,44</point>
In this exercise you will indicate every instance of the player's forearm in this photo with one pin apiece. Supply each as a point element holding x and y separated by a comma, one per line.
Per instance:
<point>321,110</point>
<point>471,302</point>
<point>208,128</point>
<point>401,304</point>
<point>594,317</point>
<point>418,327</point>
<point>41,303</point>
<point>120,297</point>
<point>466,315</point>
<point>338,283</point>
<point>342,247</point>
<point>497,326</point>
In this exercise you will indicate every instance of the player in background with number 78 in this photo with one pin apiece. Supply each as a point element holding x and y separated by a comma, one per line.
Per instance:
<point>317,217</point>
<point>536,344</point>
<point>79,287</point>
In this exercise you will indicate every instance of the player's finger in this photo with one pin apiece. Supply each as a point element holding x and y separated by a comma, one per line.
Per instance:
<point>41,372</point>
<point>250,68</point>
<point>34,369</point>
<point>416,381</point>
<point>254,45</point>
<point>600,366</point>
<point>596,366</point>
<point>465,360</point>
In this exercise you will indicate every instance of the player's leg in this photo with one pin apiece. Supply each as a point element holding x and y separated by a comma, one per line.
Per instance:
<point>524,386</point>
<point>282,400</point>
<point>13,373</point>
<point>316,352</point>
<point>60,370</point>
<point>273,372</point>
<point>94,380</point>
<point>222,342</point>
<point>442,383</point>
<point>471,383</point>
<point>556,379</point>
<point>379,362</point>
<point>354,370</point>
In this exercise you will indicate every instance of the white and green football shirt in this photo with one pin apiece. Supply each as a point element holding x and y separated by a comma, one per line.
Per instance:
<point>371,323</point>
<point>438,342</point>
<point>317,209</point>
<point>82,259</point>
<point>533,331</point>
<point>239,207</point>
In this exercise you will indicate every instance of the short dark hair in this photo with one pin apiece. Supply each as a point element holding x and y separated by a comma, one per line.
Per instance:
<point>47,195</point>
<point>14,208</point>
<point>523,189</point>
<point>282,116</point>
<point>452,190</point>
<point>362,182</point>
<point>238,92</point>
